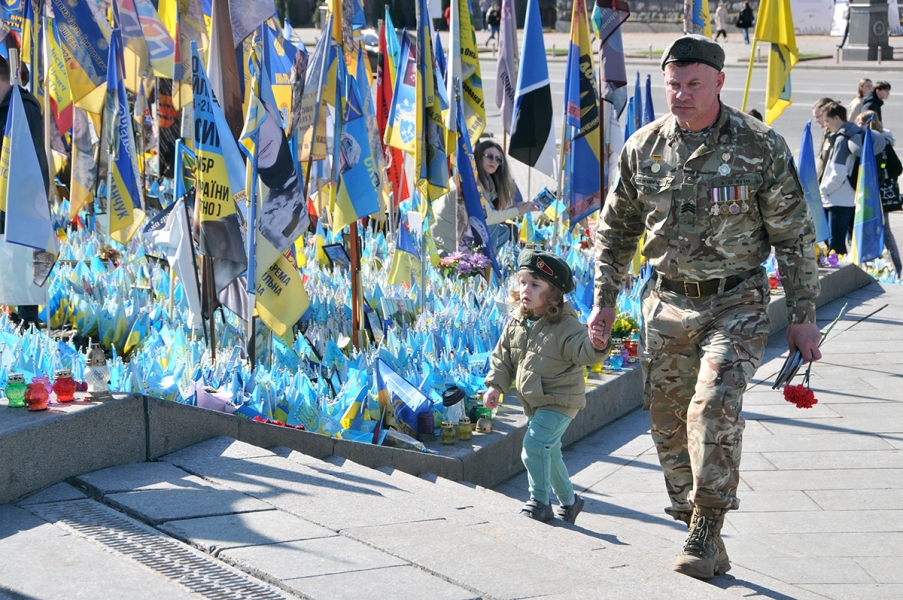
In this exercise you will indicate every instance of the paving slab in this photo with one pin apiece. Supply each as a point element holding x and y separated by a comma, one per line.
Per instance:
<point>138,476</point>
<point>158,506</point>
<point>802,570</point>
<point>214,534</point>
<point>860,591</point>
<point>879,499</point>
<point>818,522</point>
<point>54,493</point>
<point>401,583</point>
<point>817,545</point>
<point>308,558</point>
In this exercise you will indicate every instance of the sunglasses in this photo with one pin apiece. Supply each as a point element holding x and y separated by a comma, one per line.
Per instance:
<point>494,158</point>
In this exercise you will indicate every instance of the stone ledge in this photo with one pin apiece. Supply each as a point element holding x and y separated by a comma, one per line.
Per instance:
<point>42,449</point>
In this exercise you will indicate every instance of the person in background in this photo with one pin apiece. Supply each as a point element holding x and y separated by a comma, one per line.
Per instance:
<point>889,170</point>
<point>29,313</point>
<point>818,113</point>
<point>874,100</point>
<point>543,350</point>
<point>865,86</point>
<point>755,114</point>
<point>498,195</point>
<point>721,18</point>
<point>745,21</point>
<point>493,20</point>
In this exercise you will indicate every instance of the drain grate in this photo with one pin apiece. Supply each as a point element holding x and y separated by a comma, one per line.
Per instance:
<point>201,575</point>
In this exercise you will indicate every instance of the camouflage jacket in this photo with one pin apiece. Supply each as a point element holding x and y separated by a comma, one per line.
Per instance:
<point>710,214</point>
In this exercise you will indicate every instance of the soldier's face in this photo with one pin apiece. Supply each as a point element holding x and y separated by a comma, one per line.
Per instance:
<point>692,92</point>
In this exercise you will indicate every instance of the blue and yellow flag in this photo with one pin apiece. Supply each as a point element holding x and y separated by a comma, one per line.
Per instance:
<point>219,181</point>
<point>464,71</point>
<point>868,222</point>
<point>401,129</point>
<point>23,196</point>
<point>405,261</point>
<point>359,180</point>
<point>147,42</point>
<point>580,169</point>
<point>698,19</point>
<point>774,25</point>
<point>809,179</point>
<point>83,40</point>
<point>124,206</point>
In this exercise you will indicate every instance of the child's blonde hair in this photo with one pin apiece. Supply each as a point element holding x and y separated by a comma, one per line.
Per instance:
<point>553,299</point>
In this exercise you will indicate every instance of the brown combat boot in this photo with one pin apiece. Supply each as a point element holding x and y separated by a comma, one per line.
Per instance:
<point>704,554</point>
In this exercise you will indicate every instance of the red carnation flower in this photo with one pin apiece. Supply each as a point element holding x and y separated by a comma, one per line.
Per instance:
<point>800,395</point>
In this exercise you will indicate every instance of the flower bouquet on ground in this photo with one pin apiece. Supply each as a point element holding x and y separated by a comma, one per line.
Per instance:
<point>463,265</point>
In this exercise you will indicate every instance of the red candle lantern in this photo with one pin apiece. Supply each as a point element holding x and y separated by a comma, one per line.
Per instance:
<point>36,396</point>
<point>64,385</point>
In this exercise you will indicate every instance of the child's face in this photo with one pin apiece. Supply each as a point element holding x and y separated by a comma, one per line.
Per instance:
<point>533,291</point>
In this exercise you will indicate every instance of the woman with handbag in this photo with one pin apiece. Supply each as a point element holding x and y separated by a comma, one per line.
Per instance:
<point>889,170</point>
<point>745,20</point>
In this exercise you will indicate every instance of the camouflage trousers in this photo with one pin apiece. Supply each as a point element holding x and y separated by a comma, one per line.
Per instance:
<point>698,356</point>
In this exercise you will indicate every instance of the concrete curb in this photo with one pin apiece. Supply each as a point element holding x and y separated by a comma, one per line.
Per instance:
<point>42,449</point>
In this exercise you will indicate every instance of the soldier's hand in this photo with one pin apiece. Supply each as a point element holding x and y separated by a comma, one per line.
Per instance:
<point>599,325</point>
<point>804,337</point>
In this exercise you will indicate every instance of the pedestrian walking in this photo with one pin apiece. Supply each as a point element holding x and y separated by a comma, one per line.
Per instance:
<point>493,20</point>
<point>874,100</point>
<point>713,190</point>
<point>864,87</point>
<point>542,351</point>
<point>721,18</point>
<point>745,21</point>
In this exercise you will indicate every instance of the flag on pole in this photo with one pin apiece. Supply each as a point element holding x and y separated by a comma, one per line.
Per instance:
<point>697,18</point>
<point>83,40</point>
<point>359,179</point>
<point>219,181</point>
<point>430,154</point>
<point>169,230</point>
<point>58,84</point>
<point>532,136</point>
<point>868,222</point>
<point>464,67</point>
<point>648,109</point>
<point>580,169</point>
<point>401,128</point>
<point>23,192</point>
<point>809,179</point>
<point>509,64</point>
<point>774,25</point>
<point>405,260</point>
<point>148,45</point>
<point>398,395</point>
<point>222,66</point>
<point>476,234</point>
<point>84,167</point>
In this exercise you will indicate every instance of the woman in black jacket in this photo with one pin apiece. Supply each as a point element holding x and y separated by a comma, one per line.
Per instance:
<point>745,21</point>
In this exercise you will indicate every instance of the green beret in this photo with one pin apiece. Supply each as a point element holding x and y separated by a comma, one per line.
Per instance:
<point>694,49</point>
<point>549,267</point>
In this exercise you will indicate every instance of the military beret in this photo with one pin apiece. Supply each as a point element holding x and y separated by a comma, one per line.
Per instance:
<point>694,49</point>
<point>549,267</point>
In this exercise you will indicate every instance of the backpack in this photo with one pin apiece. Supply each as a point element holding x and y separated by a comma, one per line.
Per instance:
<point>853,176</point>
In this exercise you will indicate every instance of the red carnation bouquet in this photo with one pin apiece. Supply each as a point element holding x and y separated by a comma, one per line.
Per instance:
<point>801,395</point>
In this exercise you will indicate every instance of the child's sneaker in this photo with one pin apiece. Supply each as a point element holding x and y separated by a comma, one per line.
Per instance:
<point>537,510</point>
<point>569,513</point>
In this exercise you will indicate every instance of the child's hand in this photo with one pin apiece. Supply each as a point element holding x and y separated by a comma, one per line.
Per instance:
<point>491,398</point>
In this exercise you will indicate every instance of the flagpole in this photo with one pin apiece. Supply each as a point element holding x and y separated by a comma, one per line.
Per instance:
<point>749,73</point>
<point>194,258</point>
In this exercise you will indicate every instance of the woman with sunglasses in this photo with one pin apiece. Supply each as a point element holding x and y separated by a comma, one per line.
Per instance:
<point>498,193</point>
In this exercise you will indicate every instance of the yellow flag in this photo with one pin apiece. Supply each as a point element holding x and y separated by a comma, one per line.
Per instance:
<point>281,297</point>
<point>775,26</point>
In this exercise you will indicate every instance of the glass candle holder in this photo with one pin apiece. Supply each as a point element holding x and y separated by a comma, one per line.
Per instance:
<point>464,429</point>
<point>36,395</point>
<point>64,385</point>
<point>15,390</point>
<point>447,433</point>
<point>615,362</point>
<point>97,376</point>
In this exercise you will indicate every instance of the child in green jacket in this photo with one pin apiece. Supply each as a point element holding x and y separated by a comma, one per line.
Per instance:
<point>543,350</point>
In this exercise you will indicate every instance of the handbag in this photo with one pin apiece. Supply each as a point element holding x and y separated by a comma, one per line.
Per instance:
<point>890,196</point>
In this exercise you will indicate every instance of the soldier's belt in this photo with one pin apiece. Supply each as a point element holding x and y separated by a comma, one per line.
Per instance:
<point>698,289</point>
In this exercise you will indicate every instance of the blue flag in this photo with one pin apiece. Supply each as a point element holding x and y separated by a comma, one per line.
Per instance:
<point>868,224</point>
<point>809,179</point>
<point>477,233</point>
<point>648,110</point>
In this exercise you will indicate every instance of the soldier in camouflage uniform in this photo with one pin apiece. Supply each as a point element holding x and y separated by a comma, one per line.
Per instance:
<point>713,189</point>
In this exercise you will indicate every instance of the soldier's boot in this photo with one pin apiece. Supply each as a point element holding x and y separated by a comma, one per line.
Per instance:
<point>704,554</point>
